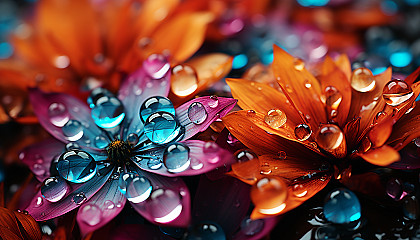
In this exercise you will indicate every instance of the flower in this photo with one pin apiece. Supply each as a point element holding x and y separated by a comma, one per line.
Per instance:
<point>312,128</point>
<point>128,147</point>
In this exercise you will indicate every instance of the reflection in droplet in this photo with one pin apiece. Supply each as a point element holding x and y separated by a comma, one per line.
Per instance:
<point>397,92</point>
<point>165,205</point>
<point>302,132</point>
<point>299,190</point>
<point>332,97</point>
<point>156,104</point>
<point>206,230</point>
<point>299,64</point>
<point>162,127</point>
<point>73,130</point>
<point>154,164</point>
<point>176,157</point>
<point>76,166</point>
<point>90,214</point>
<point>156,66</point>
<point>362,80</point>
<point>269,195</point>
<point>197,113</point>
<point>109,205</point>
<point>108,112</point>
<point>184,80</point>
<point>54,189</point>
<point>100,142</point>
<point>58,114</point>
<point>329,137</point>
<point>275,118</point>
<point>265,168</point>
<point>79,198</point>
<point>342,206</point>
<point>214,101</point>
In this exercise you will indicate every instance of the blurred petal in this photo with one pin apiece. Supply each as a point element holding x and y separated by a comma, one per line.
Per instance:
<point>268,225</point>
<point>343,63</point>
<point>40,209</point>
<point>135,231</point>
<point>38,157</point>
<point>382,156</point>
<point>104,206</point>
<point>369,183</point>
<point>410,79</point>
<point>30,226</point>
<point>208,110</point>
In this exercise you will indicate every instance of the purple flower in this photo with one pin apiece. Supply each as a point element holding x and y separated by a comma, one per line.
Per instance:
<point>133,147</point>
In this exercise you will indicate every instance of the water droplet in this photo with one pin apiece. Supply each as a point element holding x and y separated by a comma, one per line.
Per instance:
<point>394,189</point>
<point>154,164</point>
<point>79,198</point>
<point>72,146</point>
<point>250,113</point>
<point>38,202</point>
<point>302,132</point>
<point>281,155</point>
<point>184,80</point>
<point>417,142</point>
<point>411,207</point>
<point>326,232</point>
<point>61,62</point>
<point>97,94</point>
<point>213,101</point>
<point>211,150</point>
<point>90,214</point>
<point>135,188</point>
<point>54,189</point>
<point>362,80</point>
<point>161,127</point>
<point>165,205</point>
<point>100,142</point>
<point>397,92</point>
<point>58,114</point>
<point>342,206</point>
<point>299,190</point>
<point>156,104</point>
<point>108,112</point>
<point>299,64</point>
<point>197,113</point>
<point>245,155</point>
<point>251,227</point>
<point>411,108</point>
<point>275,118</point>
<point>109,205</point>
<point>206,230</point>
<point>176,157</point>
<point>73,130</point>
<point>380,116</point>
<point>156,66</point>
<point>269,195</point>
<point>265,168</point>
<point>38,169</point>
<point>329,137</point>
<point>308,83</point>
<point>133,139</point>
<point>332,97</point>
<point>76,166</point>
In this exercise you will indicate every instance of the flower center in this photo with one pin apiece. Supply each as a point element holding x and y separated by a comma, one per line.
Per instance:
<point>119,152</point>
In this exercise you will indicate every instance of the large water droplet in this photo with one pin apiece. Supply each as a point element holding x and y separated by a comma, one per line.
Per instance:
<point>206,230</point>
<point>213,101</point>
<point>156,104</point>
<point>302,132</point>
<point>275,118</point>
<point>73,130</point>
<point>97,94</point>
<point>176,157</point>
<point>154,164</point>
<point>156,66</point>
<point>394,189</point>
<point>332,97</point>
<point>184,80</point>
<point>90,214</point>
<point>245,155</point>
<point>165,205</point>
<point>329,137</point>
<point>108,112</point>
<point>79,198</point>
<point>100,142</point>
<point>135,188</point>
<point>58,114</point>
<point>269,195</point>
<point>197,113</point>
<point>162,127</point>
<point>251,227</point>
<point>397,92</point>
<point>76,166</point>
<point>342,206</point>
<point>299,64</point>
<point>411,207</point>
<point>362,80</point>
<point>54,189</point>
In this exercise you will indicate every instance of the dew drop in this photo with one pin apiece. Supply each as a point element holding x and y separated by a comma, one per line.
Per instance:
<point>162,127</point>
<point>265,168</point>
<point>135,188</point>
<point>380,116</point>
<point>165,205</point>
<point>251,227</point>
<point>61,62</point>
<point>213,101</point>
<point>90,214</point>
<point>58,114</point>
<point>197,113</point>
<point>211,150</point>
<point>397,92</point>
<point>97,94</point>
<point>342,206</point>
<point>299,190</point>
<point>299,64</point>
<point>73,130</point>
<point>332,97</point>
<point>206,230</point>
<point>154,164</point>
<point>245,155</point>
<point>329,137</point>
<point>156,104</point>
<point>100,142</point>
<point>302,132</point>
<point>38,202</point>
<point>184,80</point>
<point>362,80</point>
<point>308,84</point>
<point>79,198</point>
<point>109,205</point>
<point>38,169</point>
<point>411,207</point>
<point>250,113</point>
<point>76,166</point>
<point>176,157</point>
<point>275,118</point>
<point>108,112</point>
<point>133,139</point>
<point>281,155</point>
<point>72,146</point>
<point>269,195</point>
<point>54,189</point>
<point>156,66</point>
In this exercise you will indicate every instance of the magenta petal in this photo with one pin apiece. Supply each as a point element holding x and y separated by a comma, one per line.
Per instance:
<point>136,231</point>
<point>41,210</point>
<point>268,225</point>
<point>203,156</point>
<point>101,208</point>
<point>169,202</point>
<point>225,201</point>
<point>203,111</point>
<point>38,157</point>
<point>54,110</point>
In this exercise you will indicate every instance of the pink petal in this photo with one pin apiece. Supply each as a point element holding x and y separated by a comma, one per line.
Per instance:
<point>38,157</point>
<point>101,208</point>
<point>225,201</point>
<point>169,202</point>
<point>206,110</point>
<point>73,109</point>
<point>268,225</point>
<point>137,231</point>
<point>41,210</point>
<point>204,157</point>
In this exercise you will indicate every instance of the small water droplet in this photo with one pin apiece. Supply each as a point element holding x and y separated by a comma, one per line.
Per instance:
<point>213,101</point>
<point>417,142</point>
<point>38,169</point>
<point>154,164</point>
<point>250,113</point>
<point>245,155</point>
<point>90,214</point>
<point>176,157</point>
<point>308,84</point>
<point>411,207</point>
<point>76,166</point>
<point>362,80</point>
<point>58,114</point>
<point>299,190</point>
<point>61,62</point>
<point>206,230</point>
<point>288,88</point>
<point>411,108</point>
<point>265,168</point>
<point>100,142</point>
<point>211,150</point>
<point>397,92</point>
<point>299,64</point>
<point>73,130</point>
<point>79,198</point>
<point>162,127</point>
<point>394,189</point>
<point>380,116</point>
<point>134,187</point>
<point>197,113</point>
<point>269,195</point>
<point>72,146</point>
<point>275,118</point>
<point>329,137</point>
<point>144,42</point>
<point>109,205</point>
<point>184,80</point>
<point>54,189</point>
<point>302,132</point>
<point>281,155</point>
<point>132,139</point>
<point>156,104</point>
<point>251,227</point>
<point>332,97</point>
<point>38,202</point>
<point>165,205</point>
<point>156,66</point>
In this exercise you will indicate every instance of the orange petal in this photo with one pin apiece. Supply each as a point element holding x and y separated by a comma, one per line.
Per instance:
<point>382,156</point>
<point>343,63</point>
<point>261,73</point>
<point>30,226</point>
<point>8,221</point>
<point>406,129</point>
<point>261,98</point>
<point>351,131</point>
<point>300,86</point>
<point>381,132</point>
<point>410,79</point>
<point>248,171</point>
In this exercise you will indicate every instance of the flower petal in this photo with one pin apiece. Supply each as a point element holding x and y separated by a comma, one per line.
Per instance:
<point>8,222</point>
<point>70,109</point>
<point>169,202</point>
<point>343,63</point>
<point>382,156</point>
<point>410,79</point>
<point>38,157</point>
<point>203,157</point>
<point>30,226</point>
<point>106,204</point>
<point>268,225</point>
<point>40,209</point>
<point>300,86</point>
<point>262,98</point>
<point>379,134</point>
<point>209,109</point>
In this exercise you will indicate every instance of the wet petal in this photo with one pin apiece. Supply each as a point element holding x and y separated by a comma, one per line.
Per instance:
<point>206,110</point>
<point>343,63</point>
<point>202,157</point>
<point>379,134</point>
<point>65,117</point>
<point>106,204</point>
<point>299,85</point>
<point>351,131</point>
<point>382,156</point>
<point>8,222</point>
<point>169,202</point>
<point>30,226</point>
<point>41,210</point>
<point>38,157</point>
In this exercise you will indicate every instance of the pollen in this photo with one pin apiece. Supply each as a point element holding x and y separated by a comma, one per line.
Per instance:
<point>119,151</point>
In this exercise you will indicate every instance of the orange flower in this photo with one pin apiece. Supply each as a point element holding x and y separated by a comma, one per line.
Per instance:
<point>309,128</point>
